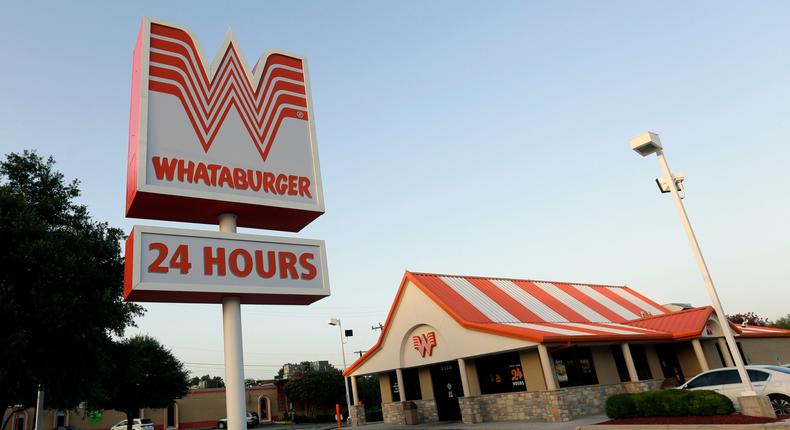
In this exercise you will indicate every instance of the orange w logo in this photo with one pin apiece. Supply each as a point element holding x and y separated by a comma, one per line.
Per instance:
<point>276,91</point>
<point>424,344</point>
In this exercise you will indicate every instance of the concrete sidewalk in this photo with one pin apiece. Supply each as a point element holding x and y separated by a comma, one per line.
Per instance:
<point>502,425</point>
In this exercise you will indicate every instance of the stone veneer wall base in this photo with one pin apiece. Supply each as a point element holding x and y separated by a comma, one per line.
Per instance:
<point>560,405</point>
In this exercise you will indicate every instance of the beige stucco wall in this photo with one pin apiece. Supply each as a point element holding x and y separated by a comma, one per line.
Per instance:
<point>416,314</point>
<point>688,360</point>
<point>384,387</point>
<point>533,372</point>
<point>471,377</point>
<point>426,386</point>
<point>774,350</point>
<point>604,364</point>
<point>653,362</point>
<point>711,355</point>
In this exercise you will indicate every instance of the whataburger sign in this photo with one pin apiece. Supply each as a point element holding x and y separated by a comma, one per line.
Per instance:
<point>176,265</point>
<point>205,138</point>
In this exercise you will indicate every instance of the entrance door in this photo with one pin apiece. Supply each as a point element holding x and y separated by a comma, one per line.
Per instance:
<point>670,366</point>
<point>446,389</point>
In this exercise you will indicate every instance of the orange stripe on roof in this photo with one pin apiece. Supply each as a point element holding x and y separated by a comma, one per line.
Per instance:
<point>550,301</point>
<point>453,300</point>
<point>503,299</point>
<point>629,327</point>
<point>590,302</point>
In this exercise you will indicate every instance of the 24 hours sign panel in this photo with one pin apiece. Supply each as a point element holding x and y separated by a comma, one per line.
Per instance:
<point>193,266</point>
<point>221,137</point>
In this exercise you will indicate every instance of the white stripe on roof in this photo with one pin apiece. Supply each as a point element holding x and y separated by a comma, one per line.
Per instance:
<point>603,329</point>
<point>605,301</point>
<point>622,292</point>
<point>549,329</point>
<point>528,301</point>
<point>478,299</point>
<point>571,302</point>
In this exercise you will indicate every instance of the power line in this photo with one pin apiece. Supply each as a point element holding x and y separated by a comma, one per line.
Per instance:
<point>223,365</point>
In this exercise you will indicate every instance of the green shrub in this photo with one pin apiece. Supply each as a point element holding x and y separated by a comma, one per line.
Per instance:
<point>705,402</point>
<point>668,403</point>
<point>621,406</point>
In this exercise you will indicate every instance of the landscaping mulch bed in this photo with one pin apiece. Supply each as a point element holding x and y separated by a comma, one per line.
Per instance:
<point>713,419</point>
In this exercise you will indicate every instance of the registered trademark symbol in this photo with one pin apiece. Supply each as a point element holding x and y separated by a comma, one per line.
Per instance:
<point>300,114</point>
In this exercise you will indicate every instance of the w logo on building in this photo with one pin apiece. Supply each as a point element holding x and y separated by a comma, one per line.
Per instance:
<point>275,90</point>
<point>424,343</point>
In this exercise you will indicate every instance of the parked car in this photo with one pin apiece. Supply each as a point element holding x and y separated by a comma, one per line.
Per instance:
<point>137,424</point>
<point>771,381</point>
<point>252,421</point>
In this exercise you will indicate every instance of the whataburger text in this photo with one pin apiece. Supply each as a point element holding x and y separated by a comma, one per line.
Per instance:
<point>218,175</point>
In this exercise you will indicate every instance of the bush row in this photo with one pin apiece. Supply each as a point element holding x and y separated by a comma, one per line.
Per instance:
<point>668,403</point>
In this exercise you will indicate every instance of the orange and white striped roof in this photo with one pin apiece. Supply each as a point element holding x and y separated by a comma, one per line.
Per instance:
<point>553,312</point>
<point>547,309</point>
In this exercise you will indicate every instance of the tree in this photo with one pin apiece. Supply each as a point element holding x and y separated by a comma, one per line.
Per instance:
<point>783,322</point>
<point>61,284</point>
<point>211,381</point>
<point>144,375</point>
<point>749,318</point>
<point>369,390</point>
<point>315,389</point>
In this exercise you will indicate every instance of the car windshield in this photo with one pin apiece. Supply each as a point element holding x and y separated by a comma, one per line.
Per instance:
<point>146,421</point>
<point>778,369</point>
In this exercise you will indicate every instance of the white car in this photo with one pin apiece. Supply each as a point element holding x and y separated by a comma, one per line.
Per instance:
<point>771,381</point>
<point>137,424</point>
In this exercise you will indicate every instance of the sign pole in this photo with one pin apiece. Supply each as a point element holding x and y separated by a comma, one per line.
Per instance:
<point>235,401</point>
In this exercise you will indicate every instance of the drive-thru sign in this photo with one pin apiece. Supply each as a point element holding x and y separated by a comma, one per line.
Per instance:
<point>221,143</point>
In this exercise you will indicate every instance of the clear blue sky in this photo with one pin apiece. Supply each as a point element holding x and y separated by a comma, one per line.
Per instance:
<point>459,137</point>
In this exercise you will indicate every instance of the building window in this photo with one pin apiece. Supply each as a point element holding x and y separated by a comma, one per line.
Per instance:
<point>60,419</point>
<point>411,378</point>
<point>574,366</point>
<point>394,389</point>
<point>721,356</point>
<point>743,356</point>
<point>264,408</point>
<point>500,373</point>
<point>619,361</point>
<point>19,421</point>
<point>170,416</point>
<point>639,355</point>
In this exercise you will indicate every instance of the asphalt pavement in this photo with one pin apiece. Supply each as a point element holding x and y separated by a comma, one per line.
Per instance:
<point>502,425</point>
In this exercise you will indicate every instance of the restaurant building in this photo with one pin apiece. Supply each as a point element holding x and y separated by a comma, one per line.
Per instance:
<point>491,349</point>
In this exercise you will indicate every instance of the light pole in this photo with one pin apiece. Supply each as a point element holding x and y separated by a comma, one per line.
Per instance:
<point>649,143</point>
<point>336,321</point>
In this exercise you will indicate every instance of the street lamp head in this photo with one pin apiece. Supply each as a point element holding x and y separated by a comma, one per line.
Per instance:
<point>646,143</point>
<point>334,321</point>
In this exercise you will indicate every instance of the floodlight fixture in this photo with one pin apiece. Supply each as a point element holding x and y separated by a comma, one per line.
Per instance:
<point>664,184</point>
<point>333,321</point>
<point>646,143</point>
